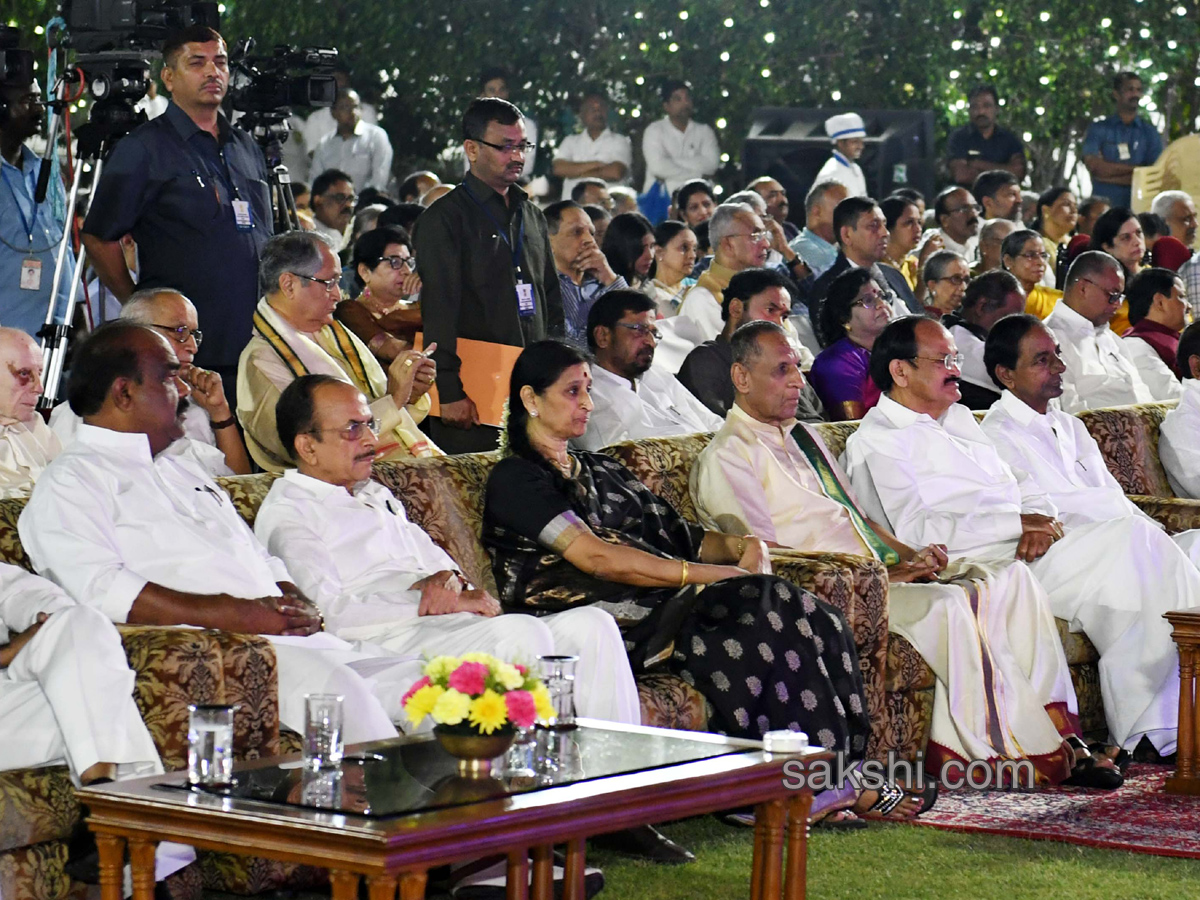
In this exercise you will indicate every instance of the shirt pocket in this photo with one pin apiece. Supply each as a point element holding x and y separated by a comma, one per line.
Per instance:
<point>190,198</point>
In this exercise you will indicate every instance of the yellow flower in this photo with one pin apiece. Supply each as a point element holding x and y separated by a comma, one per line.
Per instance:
<point>451,708</point>
<point>542,702</point>
<point>440,667</point>
<point>421,703</point>
<point>508,676</point>
<point>488,712</point>
<point>486,658</point>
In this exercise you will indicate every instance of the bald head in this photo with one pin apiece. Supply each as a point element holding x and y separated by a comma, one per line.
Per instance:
<point>169,313</point>
<point>20,376</point>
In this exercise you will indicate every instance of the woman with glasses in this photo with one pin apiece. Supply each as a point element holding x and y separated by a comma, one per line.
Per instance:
<point>1119,234</point>
<point>674,258</point>
<point>1057,216</point>
<point>1025,255</point>
<point>629,247</point>
<point>946,275</point>
<point>854,313</point>
<point>385,314</point>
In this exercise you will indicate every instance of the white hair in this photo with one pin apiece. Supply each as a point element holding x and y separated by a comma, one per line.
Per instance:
<point>141,306</point>
<point>724,220</point>
<point>1163,202</point>
<point>750,198</point>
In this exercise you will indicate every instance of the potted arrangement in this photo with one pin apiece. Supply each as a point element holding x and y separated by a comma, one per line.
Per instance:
<point>477,702</point>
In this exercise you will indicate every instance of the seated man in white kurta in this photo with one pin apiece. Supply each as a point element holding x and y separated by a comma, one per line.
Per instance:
<point>1050,446</point>
<point>378,577</point>
<point>26,443</point>
<point>210,434</point>
<point>922,463</point>
<point>1179,434</point>
<point>767,474</point>
<point>148,538</point>
<point>633,399</point>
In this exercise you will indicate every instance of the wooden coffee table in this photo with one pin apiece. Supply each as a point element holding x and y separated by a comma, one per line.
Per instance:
<point>400,811</point>
<point>1186,634</point>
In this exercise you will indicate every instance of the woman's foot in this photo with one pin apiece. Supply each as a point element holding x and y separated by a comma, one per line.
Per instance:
<point>895,804</point>
<point>1092,770</point>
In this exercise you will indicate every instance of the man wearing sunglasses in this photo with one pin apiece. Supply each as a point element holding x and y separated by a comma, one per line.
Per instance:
<point>1100,369</point>
<point>487,269</point>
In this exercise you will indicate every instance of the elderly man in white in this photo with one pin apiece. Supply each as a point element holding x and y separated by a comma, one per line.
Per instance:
<point>632,398</point>
<point>985,629</point>
<point>378,577</point>
<point>1179,434</point>
<point>148,538</point>
<point>1100,370</point>
<point>209,433</point>
<point>921,462</point>
<point>27,445</point>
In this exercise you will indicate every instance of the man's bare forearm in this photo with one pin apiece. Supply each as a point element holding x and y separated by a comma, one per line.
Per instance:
<point>108,259</point>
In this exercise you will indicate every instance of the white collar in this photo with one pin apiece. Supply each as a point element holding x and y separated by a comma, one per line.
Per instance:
<point>1020,411</point>
<point>778,434</point>
<point>599,373</point>
<point>1074,321</point>
<point>837,154</point>
<point>323,489</point>
<point>131,444</point>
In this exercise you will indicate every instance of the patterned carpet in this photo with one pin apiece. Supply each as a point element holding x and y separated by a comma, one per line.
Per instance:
<point>1139,816</point>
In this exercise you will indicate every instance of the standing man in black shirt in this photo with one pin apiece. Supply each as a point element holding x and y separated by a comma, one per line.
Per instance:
<point>487,272</point>
<point>983,146</point>
<point>192,190</point>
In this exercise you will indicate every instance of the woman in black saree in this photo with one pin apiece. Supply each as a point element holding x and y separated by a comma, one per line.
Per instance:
<point>566,528</point>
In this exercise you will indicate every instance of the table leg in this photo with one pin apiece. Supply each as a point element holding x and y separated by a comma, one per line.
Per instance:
<point>795,877</point>
<point>412,886</point>
<point>573,887</point>
<point>766,876</point>
<point>1186,767</point>
<point>517,879</point>
<point>344,884</point>
<point>543,873</point>
<point>112,864</point>
<point>141,864</point>
<point>381,887</point>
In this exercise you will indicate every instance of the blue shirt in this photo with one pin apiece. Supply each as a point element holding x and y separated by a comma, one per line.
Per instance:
<point>1104,139</point>
<point>818,254</point>
<point>25,309</point>
<point>172,185</point>
<point>577,301</point>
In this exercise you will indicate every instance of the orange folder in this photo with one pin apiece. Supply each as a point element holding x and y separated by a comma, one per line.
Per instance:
<point>485,371</point>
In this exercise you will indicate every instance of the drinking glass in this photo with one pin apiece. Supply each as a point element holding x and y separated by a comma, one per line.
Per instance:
<point>324,743</point>
<point>210,746</point>
<point>558,673</point>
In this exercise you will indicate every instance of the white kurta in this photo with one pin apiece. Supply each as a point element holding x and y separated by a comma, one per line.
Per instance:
<point>973,370</point>
<point>607,147</point>
<point>1179,442</point>
<point>844,171</point>
<point>1003,684</point>
<point>357,556</point>
<point>106,519</point>
<point>675,157</point>
<point>659,406</point>
<point>1100,371</point>
<point>26,448</point>
<point>1161,381</point>
<point>944,482</point>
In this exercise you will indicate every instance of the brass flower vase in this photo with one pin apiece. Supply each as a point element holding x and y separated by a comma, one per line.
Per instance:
<point>473,750</point>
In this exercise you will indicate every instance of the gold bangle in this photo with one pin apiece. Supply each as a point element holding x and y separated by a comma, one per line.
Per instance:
<point>683,573</point>
<point>741,550</point>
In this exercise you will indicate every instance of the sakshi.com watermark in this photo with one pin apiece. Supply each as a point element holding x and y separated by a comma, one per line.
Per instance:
<point>874,774</point>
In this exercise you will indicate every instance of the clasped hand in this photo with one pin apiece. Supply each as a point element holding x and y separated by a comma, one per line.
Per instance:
<point>444,592</point>
<point>1038,533</point>
<point>923,565</point>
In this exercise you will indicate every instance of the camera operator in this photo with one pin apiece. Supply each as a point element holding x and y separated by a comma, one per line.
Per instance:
<point>29,232</point>
<point>192,190</point>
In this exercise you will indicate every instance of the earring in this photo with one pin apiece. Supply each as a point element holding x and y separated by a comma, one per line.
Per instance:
<point>533,413</point>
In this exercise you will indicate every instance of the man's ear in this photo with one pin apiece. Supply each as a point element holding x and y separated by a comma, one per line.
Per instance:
<point>602,335</point>
<point>736,310</point>
<point>1006,376</point>
<point>741,378</point>
<point>121,393</point>
<point>1194,365</point>
<point>305,451</point>
<point>899,373</point>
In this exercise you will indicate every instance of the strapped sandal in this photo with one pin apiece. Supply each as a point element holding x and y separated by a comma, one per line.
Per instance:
<point>1089,773</point>
<point>1120,757</point>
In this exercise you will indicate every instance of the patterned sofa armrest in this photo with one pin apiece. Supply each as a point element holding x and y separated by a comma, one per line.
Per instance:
<point>175,667</point>
<point>1173,513</point>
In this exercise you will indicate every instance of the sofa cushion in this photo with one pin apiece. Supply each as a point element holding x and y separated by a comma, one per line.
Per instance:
<point>36,805</point>
<point>835,435</point>
<point>906,668</point>
<point>36,872</point>
<point>663,464</point>
<point>247,492</point>
<point>1128,440</point>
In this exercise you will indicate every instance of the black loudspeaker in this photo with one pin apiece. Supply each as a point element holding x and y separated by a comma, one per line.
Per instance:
<point>790,145</point>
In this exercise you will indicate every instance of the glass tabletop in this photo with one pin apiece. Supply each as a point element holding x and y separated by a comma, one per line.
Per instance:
<point>411,776</point>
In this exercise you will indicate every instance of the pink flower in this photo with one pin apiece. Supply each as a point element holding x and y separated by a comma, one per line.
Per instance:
<point>416,687</point>
<point>470,678</point>
<point>524,670</point>
<point>521,709</point>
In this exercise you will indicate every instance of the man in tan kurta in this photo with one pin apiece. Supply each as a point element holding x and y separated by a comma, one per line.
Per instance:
<point>295,334</point>
<point>27,445</point>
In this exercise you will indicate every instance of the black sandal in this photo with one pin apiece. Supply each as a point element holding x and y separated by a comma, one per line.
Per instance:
<point>891,796</point>
<point>1088,773</point>
<point>1121,759</point>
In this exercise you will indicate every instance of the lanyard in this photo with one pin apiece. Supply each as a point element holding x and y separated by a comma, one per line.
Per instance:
<point>27,224</point>
<point>516,250</point>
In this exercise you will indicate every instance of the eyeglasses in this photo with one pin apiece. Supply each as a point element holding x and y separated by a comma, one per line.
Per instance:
<point>754,236</point>
<point>355,431</point>
<point>956,280</point>
<point>507,149</point>
<point>643,330</point>
<point>950,360</point>
<point>1043,256</point>
<point>181,334</point>
<point>974,207</point>
<point>1114,297</point>
<point>869,303</point>
<point>400,262</point>
<point>342,198</point>
<point>330,284</point>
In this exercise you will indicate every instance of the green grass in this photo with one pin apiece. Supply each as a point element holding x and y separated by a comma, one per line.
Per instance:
<point>898,862</point>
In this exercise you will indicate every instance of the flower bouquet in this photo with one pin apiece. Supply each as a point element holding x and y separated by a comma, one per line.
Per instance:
<point>476,703</point>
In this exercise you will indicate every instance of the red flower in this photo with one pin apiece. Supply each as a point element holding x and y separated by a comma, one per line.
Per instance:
<point>470,678</point>
<point>521,709</point>
<point>416,687</point>
<point>524,670</point>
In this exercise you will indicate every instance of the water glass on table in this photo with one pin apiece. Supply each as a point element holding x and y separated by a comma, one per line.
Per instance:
<point>558,674</point>
<point>210,746</point>
<point>324,743</point>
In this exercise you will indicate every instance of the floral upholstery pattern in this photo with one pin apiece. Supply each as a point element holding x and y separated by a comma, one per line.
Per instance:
<point>1175,514</point>
<point>670,702</point>
<point>247,492</point>
<point>1128,439</point>
<point>36,805</point>
<point>663,464</point>
<point>36,872</point>
<point>835,435</point>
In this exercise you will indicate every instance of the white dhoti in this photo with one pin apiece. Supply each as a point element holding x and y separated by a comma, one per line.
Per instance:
<point>1003,687</point>
<point>1113,581</point>
<point>604,685</point>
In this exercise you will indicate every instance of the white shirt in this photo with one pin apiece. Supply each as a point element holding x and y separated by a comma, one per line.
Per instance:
<point>26,448</point>
<point>675,157</point>
<point>608,147</point>
<point>1056,451</point>
<point>106,518</point>
<point>967,250</point>
<point>1158,378</point>
<point>657,406</point>
<point>971,347</point>
<point>1100,371</point>
<point>355,556</point>
<point>366,156</point>
<point>1179,442</point>
<point>321,123</point>
<point>844,171</point>
<point>339,239</point>
<point>939,482</point>
<point>199,441</point>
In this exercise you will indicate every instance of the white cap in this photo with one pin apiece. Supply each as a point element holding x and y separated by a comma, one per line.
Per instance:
<point>846,125</point>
